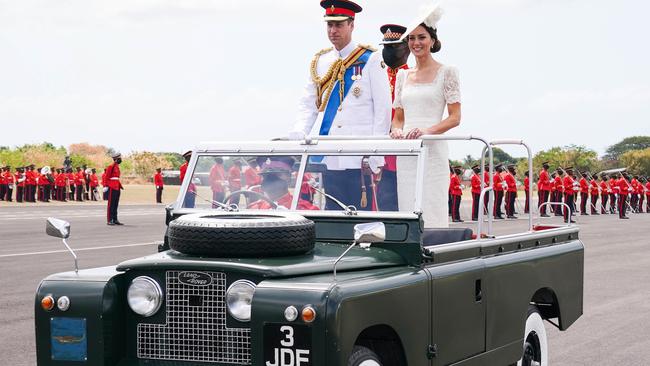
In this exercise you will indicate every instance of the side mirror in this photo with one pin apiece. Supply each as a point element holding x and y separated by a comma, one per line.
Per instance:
<point>57,228</point>
<point>61,229</point>
<point>372,232</point>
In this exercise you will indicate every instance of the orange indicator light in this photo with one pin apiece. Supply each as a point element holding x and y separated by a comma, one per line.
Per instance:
<point>308,314</point>
<point>47,303</point>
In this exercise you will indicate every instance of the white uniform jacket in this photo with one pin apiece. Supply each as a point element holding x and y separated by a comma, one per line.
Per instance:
<point>367,114</point>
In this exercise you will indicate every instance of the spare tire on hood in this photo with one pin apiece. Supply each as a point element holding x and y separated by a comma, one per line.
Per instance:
<point>241,234</point>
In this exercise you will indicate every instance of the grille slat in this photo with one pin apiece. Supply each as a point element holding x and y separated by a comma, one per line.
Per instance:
<point>195,333</point>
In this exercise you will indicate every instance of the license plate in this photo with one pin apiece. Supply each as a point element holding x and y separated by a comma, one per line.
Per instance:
<point>287,345</point>
<point>68,339</point>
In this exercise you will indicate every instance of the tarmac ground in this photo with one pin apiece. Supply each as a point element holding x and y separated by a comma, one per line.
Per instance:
<point>614,330</point>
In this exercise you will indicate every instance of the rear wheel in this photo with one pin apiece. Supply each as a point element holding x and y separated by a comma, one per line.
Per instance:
<point>535,352</point>
<point>363,356</point>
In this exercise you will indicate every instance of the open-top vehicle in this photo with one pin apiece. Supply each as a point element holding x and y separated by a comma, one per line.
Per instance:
<point>283,272</point>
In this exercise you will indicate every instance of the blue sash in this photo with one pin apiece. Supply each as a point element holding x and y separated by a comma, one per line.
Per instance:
<point>335,98</point>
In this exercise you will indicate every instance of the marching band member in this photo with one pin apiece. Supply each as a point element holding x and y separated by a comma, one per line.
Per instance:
<point>499,187</point>
<point>526,189</point>
<point>569,191</point>
<point>543,188</point>
<point>584,193</point>
<point>476,191</point>
<point>511,191</point>
<point>624,189</point>
<point>594,190</point>
<point>558,183</point>
<point>605,192</point>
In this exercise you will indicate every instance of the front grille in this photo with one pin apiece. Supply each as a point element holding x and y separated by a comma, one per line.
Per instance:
<point>195,329</point>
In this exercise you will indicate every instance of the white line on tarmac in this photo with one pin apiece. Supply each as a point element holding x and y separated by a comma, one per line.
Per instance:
<point>77,250</point>
<point>77,215</point>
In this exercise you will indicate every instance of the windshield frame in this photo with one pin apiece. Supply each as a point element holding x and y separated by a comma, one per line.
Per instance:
<point>304,150</point>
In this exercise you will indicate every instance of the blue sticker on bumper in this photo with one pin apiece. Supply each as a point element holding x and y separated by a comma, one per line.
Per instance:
<point>69,341</point>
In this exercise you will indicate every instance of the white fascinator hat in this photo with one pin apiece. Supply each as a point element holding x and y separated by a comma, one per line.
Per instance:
<point>429,15</point>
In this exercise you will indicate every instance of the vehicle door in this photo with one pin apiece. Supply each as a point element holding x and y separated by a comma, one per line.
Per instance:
<point>458,310</point>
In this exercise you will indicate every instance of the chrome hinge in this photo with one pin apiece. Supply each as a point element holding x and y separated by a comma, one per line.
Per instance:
<point>432,351</point>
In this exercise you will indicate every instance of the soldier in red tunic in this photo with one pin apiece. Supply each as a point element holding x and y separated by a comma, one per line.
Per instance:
<point>11,180</point>
<point>456,192</point>
<point>634,197</point>
<point>234,176</point>
<point>544,188</point>
<point>30,184</point>
<point>218,181</point>
<point>79,184</point>
<point>20,183</point>
<point>569,192</point>
<point>641,193</point>
<point>395,55</point>
<point>584,194</point>
<point>526,188</point>
<point>114,190</point>
<point>158,182</point>
<point>476,191</point>
<point>605,191</point>
<point>624,190</point>
<point>3,183</point>
<point>190,196</point>
<point>94,182</point>
<point>499,187</point>
<point>511,191</point>
<point>251,174</point>
<point>594,190</point>
<point>558,183</point>
<point>647,195</point>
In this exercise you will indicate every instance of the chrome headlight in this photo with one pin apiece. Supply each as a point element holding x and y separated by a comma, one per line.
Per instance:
<point>144,296</point>
<point>238,299</point>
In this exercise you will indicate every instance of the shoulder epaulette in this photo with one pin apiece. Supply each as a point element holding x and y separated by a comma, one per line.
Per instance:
<point>368,47</point>
<point>323,51</point>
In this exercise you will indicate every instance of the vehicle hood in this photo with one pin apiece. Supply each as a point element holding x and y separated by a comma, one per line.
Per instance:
<point>320,260</point>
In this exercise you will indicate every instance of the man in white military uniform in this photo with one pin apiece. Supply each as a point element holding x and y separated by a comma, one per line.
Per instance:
<point>347,94</point>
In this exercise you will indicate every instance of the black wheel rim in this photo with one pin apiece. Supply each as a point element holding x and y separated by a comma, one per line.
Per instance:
<point>532,351</point>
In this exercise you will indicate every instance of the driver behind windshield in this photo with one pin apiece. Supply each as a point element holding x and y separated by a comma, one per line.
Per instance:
<point>276,179</point>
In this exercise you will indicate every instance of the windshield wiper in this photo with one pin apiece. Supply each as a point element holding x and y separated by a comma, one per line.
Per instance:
<point>349,210</point>
<point>230,208</point>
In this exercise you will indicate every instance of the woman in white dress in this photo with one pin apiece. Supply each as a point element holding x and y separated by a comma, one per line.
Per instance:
<point>421,95</point>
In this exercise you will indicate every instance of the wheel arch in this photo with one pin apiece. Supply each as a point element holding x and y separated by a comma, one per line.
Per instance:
<point>548,305</point>
<point>385,342</point>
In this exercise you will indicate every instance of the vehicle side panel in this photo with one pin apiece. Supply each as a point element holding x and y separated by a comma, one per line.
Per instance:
<point>458,313</point>
<point>512,279</point>
<point>399,298</point>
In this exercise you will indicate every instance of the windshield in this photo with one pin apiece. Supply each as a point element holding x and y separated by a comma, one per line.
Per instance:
<point>302,182</point>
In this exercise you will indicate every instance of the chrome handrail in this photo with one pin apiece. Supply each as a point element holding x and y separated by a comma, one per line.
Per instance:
<point>557,204</point>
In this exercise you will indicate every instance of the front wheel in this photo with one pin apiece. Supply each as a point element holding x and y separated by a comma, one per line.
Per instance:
<point>535,352</point>
<point>363,356</point>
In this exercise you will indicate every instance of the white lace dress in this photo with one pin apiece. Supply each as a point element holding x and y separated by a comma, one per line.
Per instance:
<point>424,105</point>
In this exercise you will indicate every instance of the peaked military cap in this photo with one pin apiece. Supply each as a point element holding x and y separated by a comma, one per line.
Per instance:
<point>392,33</point>
<point>339,10</point>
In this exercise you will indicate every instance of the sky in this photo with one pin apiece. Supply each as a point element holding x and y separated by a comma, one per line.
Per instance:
<point>163,75</point>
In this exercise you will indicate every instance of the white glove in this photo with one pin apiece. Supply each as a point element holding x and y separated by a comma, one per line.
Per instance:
<point>11,186</point>
<point>157,187</point>
<point>105,189</point>
<point>376,162</point>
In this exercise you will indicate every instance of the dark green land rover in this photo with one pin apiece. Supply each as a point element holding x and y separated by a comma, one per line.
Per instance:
<point>269,261</point>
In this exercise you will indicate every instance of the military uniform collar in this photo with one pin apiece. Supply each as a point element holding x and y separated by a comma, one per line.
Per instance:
<point>346,51</point>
